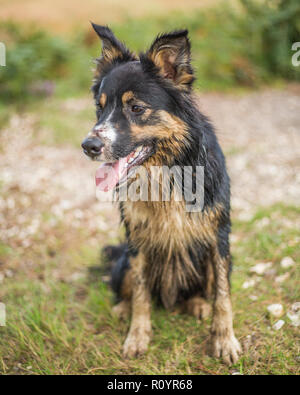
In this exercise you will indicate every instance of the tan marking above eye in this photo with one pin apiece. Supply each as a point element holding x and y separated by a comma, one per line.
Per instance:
<point>102,100</point>
<point>127,96</point>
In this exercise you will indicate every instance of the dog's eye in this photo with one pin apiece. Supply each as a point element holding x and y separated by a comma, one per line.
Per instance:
<point>137,109</point>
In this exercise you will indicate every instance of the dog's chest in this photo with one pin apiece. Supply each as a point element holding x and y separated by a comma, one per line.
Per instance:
<point>167,225</point>
<point>174,243</point>
<point>157,225</point>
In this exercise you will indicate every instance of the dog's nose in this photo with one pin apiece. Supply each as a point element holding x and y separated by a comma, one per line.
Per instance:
<point>92,146</point>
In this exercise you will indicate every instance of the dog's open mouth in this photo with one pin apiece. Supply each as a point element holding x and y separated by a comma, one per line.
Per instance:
<point>109,175</point>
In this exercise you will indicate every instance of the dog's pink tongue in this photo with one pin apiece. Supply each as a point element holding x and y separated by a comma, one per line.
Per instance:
<point>109,174</point>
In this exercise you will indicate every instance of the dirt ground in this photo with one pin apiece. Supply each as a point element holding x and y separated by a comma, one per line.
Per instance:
<point>260,135</point>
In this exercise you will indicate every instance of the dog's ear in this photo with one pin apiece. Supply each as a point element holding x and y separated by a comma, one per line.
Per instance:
<point>112,48</point>
<point>171,54</point>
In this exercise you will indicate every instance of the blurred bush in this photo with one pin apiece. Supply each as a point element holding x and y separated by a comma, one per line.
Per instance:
<point>247,46</point>
<point>272,26</point>
<point>37,62</point>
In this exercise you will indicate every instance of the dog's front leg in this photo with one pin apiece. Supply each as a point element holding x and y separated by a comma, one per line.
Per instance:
<point>140,329</point>
<point>223,341</point>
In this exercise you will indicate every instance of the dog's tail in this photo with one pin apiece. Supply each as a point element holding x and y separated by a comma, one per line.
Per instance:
<point>117,263</point>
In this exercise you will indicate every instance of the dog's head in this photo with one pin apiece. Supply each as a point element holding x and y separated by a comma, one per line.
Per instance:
<point>138,99</point>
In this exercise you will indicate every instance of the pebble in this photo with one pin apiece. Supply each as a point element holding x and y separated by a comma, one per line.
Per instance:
<point>9,273</point>
<point>282,278</point>
<point>275,309</point>
<point>253,297</point>
<point>294,314</point>
<point>261,268</point>
<point>251,283</point>
<point>247,342</point>
<point>287,262</point>
<point>278,325</point>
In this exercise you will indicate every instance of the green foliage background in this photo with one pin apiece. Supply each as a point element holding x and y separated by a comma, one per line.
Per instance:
<point>245,46</point>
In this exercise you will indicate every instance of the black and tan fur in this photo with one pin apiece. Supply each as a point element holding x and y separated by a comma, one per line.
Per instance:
<point>174,256</point>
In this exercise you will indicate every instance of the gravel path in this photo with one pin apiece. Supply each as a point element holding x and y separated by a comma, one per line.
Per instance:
<point>260,133</point>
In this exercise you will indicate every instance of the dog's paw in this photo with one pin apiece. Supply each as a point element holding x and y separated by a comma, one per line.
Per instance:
<point>136,343</point>
<point>197,307</point>
<point>226,347</point>
<point>121,310</point>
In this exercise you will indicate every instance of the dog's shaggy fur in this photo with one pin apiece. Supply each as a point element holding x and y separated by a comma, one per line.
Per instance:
<point>180,258</point>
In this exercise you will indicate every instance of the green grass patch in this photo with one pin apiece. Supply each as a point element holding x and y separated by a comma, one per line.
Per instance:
<point>58,324</point>
<point>5,250</point>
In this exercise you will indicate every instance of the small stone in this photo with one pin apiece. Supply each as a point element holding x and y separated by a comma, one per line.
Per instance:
<point>261,268</point>
<point>65,204</point>
<point>275,309</point>
<point>251,283</point>
<point>294,314</point>
<point>10,203</point>
<point>278,325</point>
<point>282,278</point>
<point>233,238</point>
<point>287,262</point>
<point>237,374</point>
<point>26,243</point>
<point>9,273</point>
<point>254,298</point>
<point>247,342</point>
<point>78,214</point>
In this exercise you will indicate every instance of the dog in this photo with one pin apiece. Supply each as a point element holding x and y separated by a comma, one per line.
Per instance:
<point>147,116</point>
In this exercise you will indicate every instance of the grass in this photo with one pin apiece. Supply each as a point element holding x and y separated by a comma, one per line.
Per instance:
<point>58,323</point>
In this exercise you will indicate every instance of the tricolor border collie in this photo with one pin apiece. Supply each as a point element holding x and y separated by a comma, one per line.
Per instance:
<point>146,116</point>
